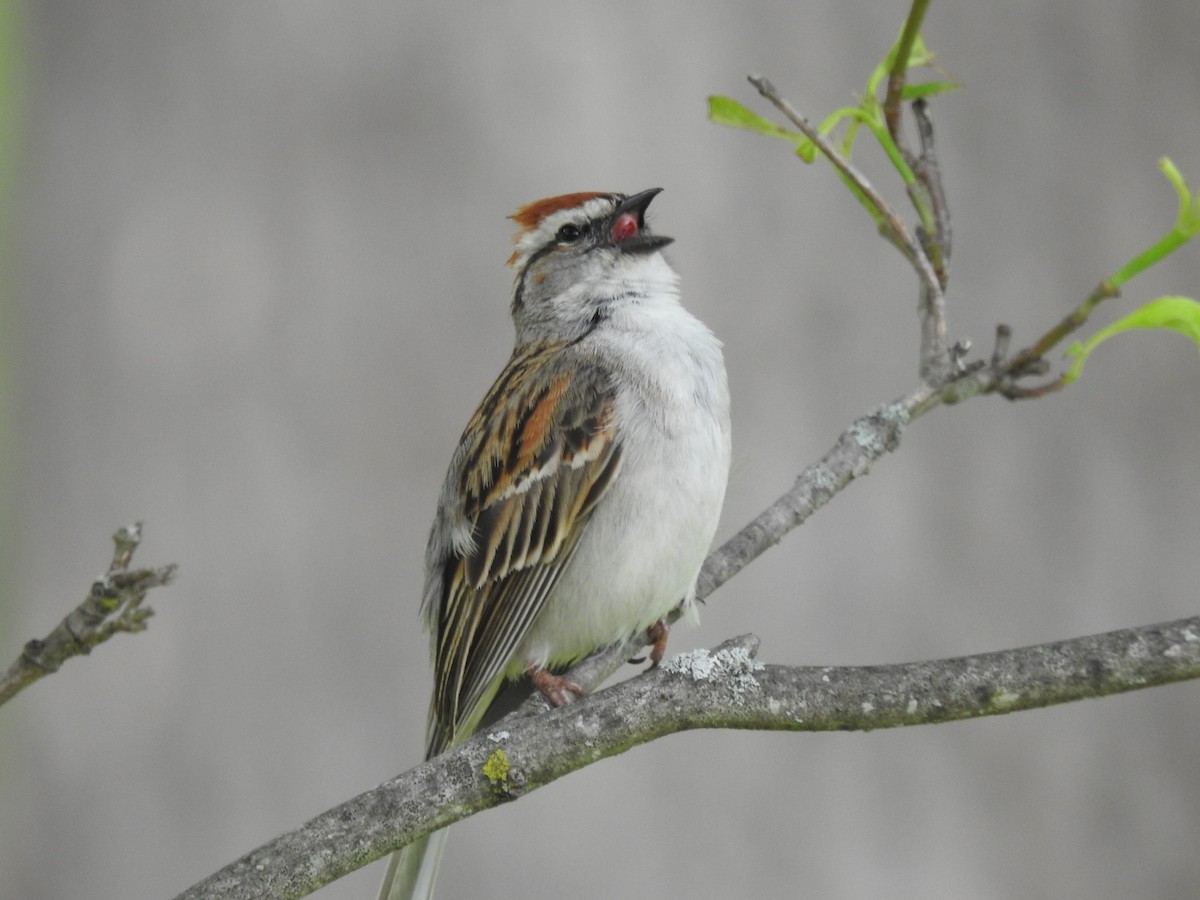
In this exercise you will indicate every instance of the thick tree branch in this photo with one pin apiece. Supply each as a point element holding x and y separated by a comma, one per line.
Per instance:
<point>724,688</point>
<point>114,604</point>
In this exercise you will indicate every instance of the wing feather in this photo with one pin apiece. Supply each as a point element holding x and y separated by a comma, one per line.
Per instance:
<point>531,466</point>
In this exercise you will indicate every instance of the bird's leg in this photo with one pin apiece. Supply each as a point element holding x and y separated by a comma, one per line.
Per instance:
<point>554,688</point>
<point>658,638</point>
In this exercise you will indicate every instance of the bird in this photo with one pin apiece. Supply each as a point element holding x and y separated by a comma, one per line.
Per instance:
<point>584,493</point>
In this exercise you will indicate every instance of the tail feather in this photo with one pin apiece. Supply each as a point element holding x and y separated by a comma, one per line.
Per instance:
<point>411,872</point>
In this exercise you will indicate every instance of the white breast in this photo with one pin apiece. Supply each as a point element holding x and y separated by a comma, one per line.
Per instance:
<point>648,537</point>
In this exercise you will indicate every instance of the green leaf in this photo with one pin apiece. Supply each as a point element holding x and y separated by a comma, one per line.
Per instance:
<point>929,89</point>
<point>1186,227</point>
<point>1187,220</point>
<point>728,112</point>
<point>919,54</point>
<point>853,115</point>
<point>1180,314</point>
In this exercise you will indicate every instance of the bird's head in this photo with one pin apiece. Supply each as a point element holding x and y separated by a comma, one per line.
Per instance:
<point>579,253</point>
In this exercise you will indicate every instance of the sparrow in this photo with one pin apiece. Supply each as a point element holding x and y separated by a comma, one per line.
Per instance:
<point>584,492</point>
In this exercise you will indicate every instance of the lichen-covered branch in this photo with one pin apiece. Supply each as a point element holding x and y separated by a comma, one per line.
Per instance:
<point>724,688</point>
<point>114,604</point>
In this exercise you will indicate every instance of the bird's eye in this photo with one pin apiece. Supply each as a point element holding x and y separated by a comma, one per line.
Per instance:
<point>569,234</point>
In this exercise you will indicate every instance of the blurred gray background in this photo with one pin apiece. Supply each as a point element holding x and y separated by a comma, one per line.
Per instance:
<point>259,288</point>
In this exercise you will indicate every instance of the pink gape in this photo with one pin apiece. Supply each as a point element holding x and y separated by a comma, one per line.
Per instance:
<point>625,227</point>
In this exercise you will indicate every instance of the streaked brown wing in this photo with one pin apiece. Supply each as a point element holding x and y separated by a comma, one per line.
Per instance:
<point>525,491</point>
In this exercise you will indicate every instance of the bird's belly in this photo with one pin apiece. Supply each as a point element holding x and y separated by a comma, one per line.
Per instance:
<point>641,552</point>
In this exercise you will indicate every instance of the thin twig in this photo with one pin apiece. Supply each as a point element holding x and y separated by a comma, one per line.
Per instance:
<point>898,74</point>
<point>929,173</point>
<point>936,365</point>
<point>113,605</point>
<point>900,234</point>
<point>1071,322</point>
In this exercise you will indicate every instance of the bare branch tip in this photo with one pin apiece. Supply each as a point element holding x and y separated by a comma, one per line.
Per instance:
<point>763,84</point>
<point>125,541</point>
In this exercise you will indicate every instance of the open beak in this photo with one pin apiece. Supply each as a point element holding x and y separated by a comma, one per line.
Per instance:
<point>627,228</point>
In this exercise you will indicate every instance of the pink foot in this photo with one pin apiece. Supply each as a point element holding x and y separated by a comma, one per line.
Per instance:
<point>658,637</point>
<point>555,688</point>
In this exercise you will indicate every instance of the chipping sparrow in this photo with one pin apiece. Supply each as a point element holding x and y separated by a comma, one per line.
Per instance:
<point>583,496</point>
